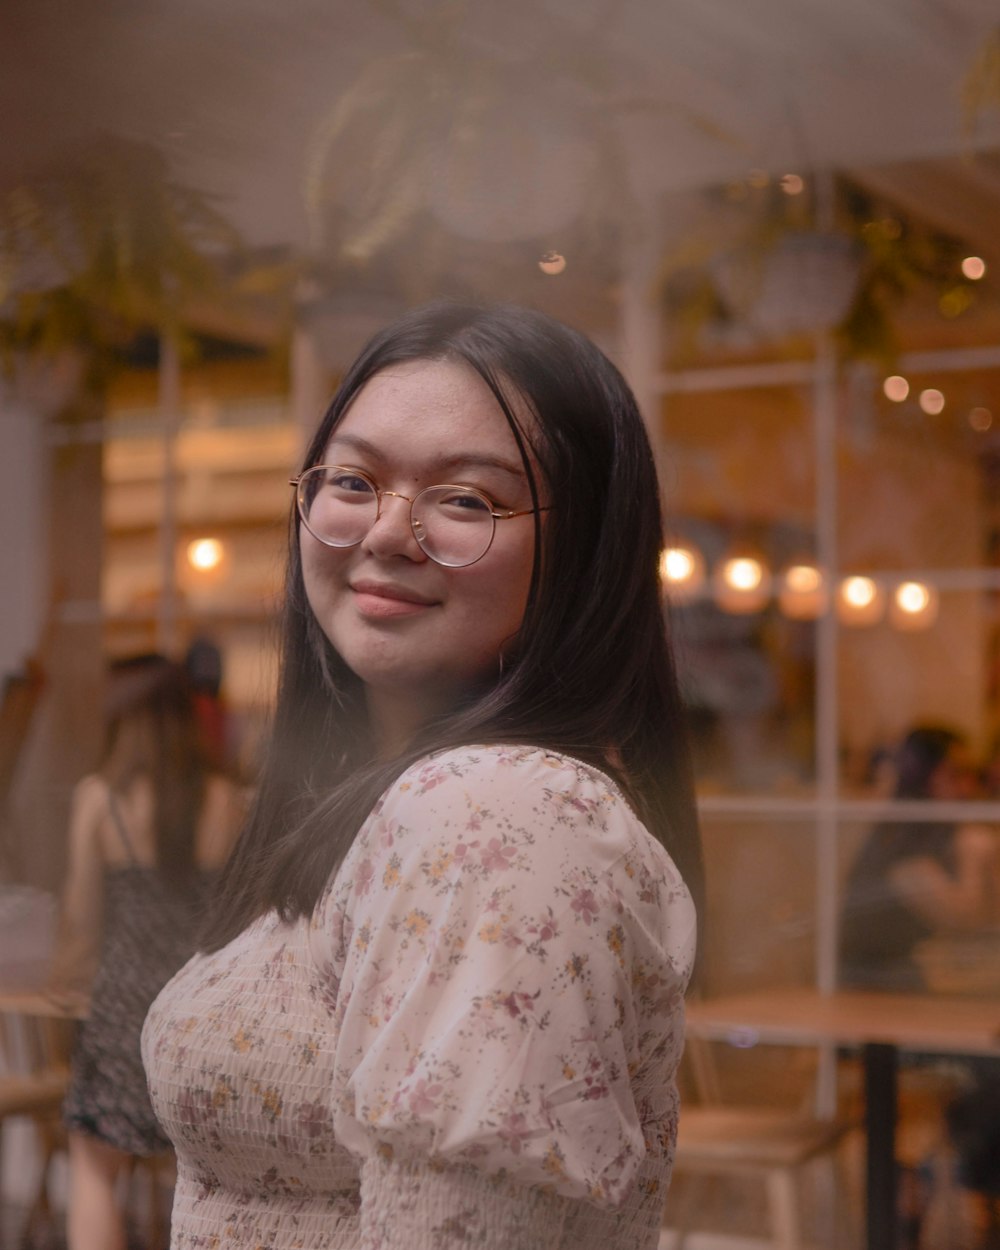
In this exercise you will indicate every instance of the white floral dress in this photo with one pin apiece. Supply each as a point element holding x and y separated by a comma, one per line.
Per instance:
<point>473,1042</point>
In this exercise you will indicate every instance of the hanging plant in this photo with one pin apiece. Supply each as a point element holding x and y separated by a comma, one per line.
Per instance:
<point>103,243</point>
<point>776,276</point>
<point>981,89</point>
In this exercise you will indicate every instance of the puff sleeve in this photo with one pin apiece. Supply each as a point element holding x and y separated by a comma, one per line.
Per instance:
<point>510,949</point>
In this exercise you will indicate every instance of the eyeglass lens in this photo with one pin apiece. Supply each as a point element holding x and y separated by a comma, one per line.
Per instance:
<point>453,524</point>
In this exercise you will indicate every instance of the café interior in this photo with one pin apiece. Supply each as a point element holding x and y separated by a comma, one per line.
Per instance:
<point>780,221</point>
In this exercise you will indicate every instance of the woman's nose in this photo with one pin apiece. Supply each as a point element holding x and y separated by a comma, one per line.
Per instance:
<point>392,533</point>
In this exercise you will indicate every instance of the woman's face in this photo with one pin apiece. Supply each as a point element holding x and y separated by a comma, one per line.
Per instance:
<point>416,633</point>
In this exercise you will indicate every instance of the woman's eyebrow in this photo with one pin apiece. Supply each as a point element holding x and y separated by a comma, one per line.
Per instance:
<point>460,460</point>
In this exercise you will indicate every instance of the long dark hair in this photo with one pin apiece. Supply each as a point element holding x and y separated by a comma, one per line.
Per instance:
<point>919,756</point>
<point>592,673</point>
<point>152,730</point>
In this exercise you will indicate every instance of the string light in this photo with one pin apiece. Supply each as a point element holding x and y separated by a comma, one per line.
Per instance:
<point>742,583</point>
<point>860,601</point>
<point>914,606</point>
<point>931,401</point>
<point>980,419</point>
<point>973,267</point>
<point>896,388</point>
<point>802,592</point>
<point>682,571</point>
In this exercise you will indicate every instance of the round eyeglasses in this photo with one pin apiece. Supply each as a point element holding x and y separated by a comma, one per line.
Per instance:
<point>454,525</point>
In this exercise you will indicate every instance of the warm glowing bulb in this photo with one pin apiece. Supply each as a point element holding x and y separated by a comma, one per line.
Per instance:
<point>803,578</point>
<point>932,401</point>
<point>741,583</point>
<point>743,573</point>
<point>552,263</point>
<point>859,592</point>
<point>912,597</point>
<point>896,388</point>
<point>914,606</point>
<point>792,184</point>
<point>205,554</point>
<point>676,564</point>
<point>802,594</point>
<point>974,267</point>
<point>860,601</point>
<point>682,571</point>
<point>980,419</point>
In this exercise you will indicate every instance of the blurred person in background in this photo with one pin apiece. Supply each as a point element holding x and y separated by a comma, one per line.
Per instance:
<point>203,665</point>
<point>442,997</point>
<point>915,879</point>
<point>148,832</point>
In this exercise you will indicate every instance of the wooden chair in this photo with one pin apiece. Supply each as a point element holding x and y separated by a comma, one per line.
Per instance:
<point>719,1139</point>
<point>34,1074</point>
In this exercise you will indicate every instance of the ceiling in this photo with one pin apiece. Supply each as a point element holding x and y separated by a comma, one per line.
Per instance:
<point>576,101</point>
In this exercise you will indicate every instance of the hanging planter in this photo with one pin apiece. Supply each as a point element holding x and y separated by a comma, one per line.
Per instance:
<point>518,162</point>
<point>776,275</point>
<point>805,284</point>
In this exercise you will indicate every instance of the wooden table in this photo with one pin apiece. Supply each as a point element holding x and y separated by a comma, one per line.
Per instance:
<point>43,1003</point>
<point>881,1024</point>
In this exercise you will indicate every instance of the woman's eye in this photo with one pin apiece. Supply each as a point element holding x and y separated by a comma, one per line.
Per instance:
<point>466,502</point>
<point>349,483</point>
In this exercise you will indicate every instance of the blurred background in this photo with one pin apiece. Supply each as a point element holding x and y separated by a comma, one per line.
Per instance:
<point>779,217</point>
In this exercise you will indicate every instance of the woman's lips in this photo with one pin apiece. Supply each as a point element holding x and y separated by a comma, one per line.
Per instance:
<point>384,602</point>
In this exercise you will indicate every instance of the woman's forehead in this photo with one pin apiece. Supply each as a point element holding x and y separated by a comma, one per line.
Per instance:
<point>438,409</point>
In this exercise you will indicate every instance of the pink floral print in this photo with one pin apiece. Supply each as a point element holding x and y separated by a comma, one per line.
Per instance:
<point>473,1041</point>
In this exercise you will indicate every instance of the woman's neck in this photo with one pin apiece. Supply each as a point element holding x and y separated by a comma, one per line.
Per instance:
<point>397,717</point>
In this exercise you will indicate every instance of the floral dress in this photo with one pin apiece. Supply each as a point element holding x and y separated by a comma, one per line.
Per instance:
<point>472,1042</point>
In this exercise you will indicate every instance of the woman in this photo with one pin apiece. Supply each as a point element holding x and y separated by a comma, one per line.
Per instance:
<point>914,879</point>
<point>146,833</point>
<point>441,1001</point>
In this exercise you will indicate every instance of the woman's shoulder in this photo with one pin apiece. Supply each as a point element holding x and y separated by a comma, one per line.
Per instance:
<point>477,825</point>
<point>91,798</point>
<point>518,773</point>
<point>92,789</point>
<point>524,761</point>
<point>519,794</point>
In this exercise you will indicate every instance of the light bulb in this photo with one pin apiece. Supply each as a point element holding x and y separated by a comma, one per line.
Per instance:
<point>860,601</point>
<point>931,401</point>
<point>742,583</point>
<point>914,606</point>
<point>802,593</point>
<point>682,571</point>
<point>973,267</point>
<point>205,554</point>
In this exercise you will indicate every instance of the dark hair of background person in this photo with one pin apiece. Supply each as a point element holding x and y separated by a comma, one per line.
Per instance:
<point>592,674</point>
<point>920,754</point>
<point>152,730</point>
